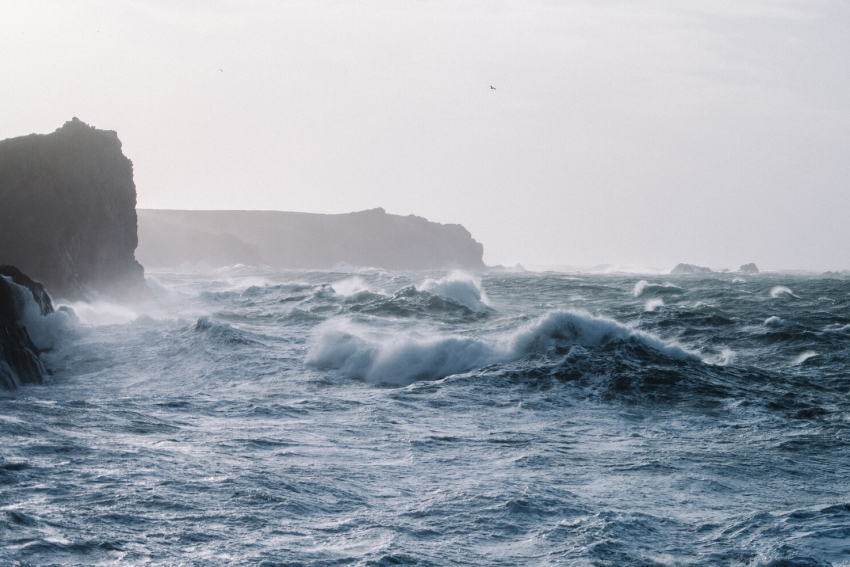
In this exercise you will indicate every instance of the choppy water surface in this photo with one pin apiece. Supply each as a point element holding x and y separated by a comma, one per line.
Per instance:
<point>256,417</point>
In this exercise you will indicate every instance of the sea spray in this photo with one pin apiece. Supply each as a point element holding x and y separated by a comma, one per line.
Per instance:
<point>643,287</point>
<point>402,359</point>
<point>461,287</point>
<point>782,291</point>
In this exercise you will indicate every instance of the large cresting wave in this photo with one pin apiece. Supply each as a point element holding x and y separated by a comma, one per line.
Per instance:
<point>402,360</point>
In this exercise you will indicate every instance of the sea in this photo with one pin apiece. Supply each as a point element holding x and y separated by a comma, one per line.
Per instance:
<point>254,416</point>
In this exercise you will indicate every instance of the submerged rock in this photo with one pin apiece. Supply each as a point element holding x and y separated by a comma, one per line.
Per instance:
<point>68,212</point>
<point>19,357</point>
<point>690,269</point>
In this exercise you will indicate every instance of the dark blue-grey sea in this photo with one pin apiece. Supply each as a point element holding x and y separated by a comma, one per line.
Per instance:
<point>252,416</point>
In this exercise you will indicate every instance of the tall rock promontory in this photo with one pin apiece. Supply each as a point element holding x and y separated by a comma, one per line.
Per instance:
<point>68,212</point>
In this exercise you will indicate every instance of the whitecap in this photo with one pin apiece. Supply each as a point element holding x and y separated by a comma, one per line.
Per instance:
<point>643,287</point>
<point>774,321</point>
<point>804,357</point>
<point>403,359</point>
<point>781,290</point>
<point>461,287</point>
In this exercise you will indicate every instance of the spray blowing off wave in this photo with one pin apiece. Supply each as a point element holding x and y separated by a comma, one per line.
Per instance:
<point>782,291</point>
<point>45,329</point>
<point>643,287</point>
<point>460,287</point>
<point>403,360</point>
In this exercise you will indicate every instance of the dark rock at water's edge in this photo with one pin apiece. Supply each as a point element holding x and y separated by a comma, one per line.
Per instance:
<point>19,357</point>
<point>373,238</point>
<point>39,294</point>
<point>690,269</point>
<point>68,212</point>
<point>750,268</point>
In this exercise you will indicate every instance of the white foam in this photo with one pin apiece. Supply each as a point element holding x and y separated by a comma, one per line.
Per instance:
<point>804,357</point>
<point>644,287</point>
<point>780,290</point>
<point>461,287</point>
<point>45,330</point>
<point>582,328</point>
<point>726,357</point>
<point>350,286</point>
<point>654,305</point>
<point>775,321</point>
<point>102,312</point>
<point>403,359</point>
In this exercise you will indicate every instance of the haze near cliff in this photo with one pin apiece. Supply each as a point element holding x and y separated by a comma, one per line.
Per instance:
<point>639,133</point>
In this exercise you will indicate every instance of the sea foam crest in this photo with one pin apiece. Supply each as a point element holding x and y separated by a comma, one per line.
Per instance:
<point>461,287</point>
<point>781,290</point>
<point>643,287</point>
<point>404,359</point>
<point>774,321</point>
<point>803,357</point>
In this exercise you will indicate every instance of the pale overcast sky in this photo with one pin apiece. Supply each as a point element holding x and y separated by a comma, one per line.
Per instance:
<point>639,132</point>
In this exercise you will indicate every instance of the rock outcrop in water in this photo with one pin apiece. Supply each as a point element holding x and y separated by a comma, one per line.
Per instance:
<point>750,268</point>
<point>19,357</point>
<point>372,238</point>
<point>689,270</point>
<point>68,212</point>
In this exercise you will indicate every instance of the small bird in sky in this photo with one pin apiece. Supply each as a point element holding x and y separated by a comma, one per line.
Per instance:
<point>492,87</point>
<point>222,70</point>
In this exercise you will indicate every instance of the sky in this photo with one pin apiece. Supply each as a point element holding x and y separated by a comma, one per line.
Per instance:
<point>640,133</point>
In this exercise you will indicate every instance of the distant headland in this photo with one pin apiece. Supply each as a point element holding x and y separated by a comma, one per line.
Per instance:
<point>372,238</point>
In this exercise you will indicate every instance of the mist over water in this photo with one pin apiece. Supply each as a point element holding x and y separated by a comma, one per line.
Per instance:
<point>256,416</point>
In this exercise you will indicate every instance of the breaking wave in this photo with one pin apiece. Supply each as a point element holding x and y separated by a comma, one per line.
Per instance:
<point>408,358</point>
<point>781,290</point>
<point>460,287</point>
<point>643,287</point>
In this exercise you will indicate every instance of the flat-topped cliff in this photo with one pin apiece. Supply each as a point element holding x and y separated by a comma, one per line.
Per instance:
<point>371,238</point>
<point>68,212</point>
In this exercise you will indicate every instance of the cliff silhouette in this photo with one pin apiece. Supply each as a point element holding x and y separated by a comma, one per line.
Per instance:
<point>369,238</point>
<point>68,212</point>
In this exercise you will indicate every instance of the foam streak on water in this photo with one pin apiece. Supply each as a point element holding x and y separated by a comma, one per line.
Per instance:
<point>261,417</point>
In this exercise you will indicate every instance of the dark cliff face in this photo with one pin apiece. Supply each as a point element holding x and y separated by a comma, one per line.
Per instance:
<point>370,238</point>
<point>19,357</point>
<point>68,212</point>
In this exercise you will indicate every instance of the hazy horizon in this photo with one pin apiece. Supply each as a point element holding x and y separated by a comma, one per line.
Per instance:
<point>638,134</point>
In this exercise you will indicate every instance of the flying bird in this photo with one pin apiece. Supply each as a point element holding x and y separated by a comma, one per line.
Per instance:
<point>492,87</point>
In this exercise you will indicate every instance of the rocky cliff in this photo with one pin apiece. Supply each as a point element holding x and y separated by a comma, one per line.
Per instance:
<point>68,212</point>
<point>19,356</point>
<point>304,240</point>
